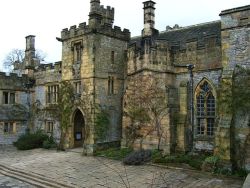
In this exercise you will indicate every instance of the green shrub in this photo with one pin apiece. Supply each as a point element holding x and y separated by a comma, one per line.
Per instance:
<point>212,160</point>
<point>241,173</point>
<point>31,140</point>
<point>49,143</point>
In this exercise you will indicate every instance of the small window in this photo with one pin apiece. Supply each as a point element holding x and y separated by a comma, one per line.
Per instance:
<point>49,126</point>
<point>78,88</point>
<point>9,128</point>
<point>12,98</point>
<point>110,85</point>
<point>5,98</point>
<point>52,94</point>
<point>112,57</point>
<point>78,53</point>
<point>8,97</point>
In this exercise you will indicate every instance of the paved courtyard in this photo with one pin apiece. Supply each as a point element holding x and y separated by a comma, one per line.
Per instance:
<point>49,168</point>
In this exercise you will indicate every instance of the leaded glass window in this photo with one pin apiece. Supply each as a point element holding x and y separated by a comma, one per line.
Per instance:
<point>205,110</point>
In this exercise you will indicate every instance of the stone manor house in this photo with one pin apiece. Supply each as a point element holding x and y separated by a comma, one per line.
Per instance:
<point>198,68</point>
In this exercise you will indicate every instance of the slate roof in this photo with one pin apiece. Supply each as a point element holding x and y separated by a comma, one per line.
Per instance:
<point>13,113</point>
<point>182,35</point>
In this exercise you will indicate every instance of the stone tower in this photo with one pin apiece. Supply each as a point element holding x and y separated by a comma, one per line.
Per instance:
<point>94,60</point>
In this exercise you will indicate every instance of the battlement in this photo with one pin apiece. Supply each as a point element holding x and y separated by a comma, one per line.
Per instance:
<point>108,11</point>
<point>5,75</point>
<point>57,66</point>
<point>106,29</point>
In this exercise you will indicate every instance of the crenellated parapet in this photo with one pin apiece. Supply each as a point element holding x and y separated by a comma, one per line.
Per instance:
<point>13,81</point>
<point>5,75</point>
<point>106,29</point>
<point>50,67</point>
<point>52,72</point>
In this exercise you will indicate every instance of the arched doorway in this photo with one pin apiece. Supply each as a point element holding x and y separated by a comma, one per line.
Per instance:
<point>79,131</point>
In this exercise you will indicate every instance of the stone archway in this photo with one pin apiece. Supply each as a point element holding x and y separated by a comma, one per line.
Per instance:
<point>79,129</point>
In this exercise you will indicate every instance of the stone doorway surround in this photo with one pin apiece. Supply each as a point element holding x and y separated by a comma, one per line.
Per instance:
<point>78,129</point>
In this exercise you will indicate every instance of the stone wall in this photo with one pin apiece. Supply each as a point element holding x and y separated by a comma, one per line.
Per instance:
<point>183,125</point>
<point>8,138</point>
<point>235,53</point>
<point>15,113</point>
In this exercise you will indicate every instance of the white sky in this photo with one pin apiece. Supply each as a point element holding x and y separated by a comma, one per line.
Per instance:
<point>46,18</point>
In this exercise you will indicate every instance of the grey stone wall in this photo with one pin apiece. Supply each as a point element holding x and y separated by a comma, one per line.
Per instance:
<point>9,138</point>
<point>213,77</point>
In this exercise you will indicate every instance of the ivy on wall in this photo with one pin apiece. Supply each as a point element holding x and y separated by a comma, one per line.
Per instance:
<point>101,125</point>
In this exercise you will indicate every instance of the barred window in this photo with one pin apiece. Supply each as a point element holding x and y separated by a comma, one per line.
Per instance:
<point>49,126</point>
<point>205,110</point>
<point>52,94</point>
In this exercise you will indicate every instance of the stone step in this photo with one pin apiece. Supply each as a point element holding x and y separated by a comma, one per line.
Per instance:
<point>31,178</point>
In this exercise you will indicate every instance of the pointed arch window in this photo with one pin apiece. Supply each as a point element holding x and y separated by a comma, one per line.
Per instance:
<point>205,110</point>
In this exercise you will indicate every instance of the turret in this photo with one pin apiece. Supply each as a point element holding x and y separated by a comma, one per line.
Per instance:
<point>94,5</point>
<point>149,19</point>
<point>95,15</point>
<point>99,15</point>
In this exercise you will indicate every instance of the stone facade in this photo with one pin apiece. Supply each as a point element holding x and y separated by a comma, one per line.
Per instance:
<point>195,68</point>
<point>13,107</point>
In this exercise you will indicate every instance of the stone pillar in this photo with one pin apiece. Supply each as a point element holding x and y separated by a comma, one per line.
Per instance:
<point>182,123</point>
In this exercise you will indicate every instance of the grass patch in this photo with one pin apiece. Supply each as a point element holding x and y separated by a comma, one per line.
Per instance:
<point>114,153</point>
<point>194,161</point>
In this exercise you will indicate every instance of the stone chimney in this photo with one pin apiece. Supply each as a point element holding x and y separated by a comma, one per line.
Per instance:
<point>149,18</point>
<point>30,52</point>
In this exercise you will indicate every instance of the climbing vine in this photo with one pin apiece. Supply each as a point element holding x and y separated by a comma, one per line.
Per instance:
<point>101,125</point>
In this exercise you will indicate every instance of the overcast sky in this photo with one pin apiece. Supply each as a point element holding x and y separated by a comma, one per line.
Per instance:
<point>46,18</point>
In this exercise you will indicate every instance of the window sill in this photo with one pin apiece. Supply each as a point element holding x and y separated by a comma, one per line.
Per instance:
<point>9,134</point>
<point>203,138</point>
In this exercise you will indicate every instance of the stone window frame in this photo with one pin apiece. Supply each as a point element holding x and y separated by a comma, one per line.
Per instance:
<point>111,85</point>
<point>205,109</point>
<point>52,93</point>
<point>9,127</point>
<point>8,97</point>
<point>78,87</point>
<point>49,126</point>
<point>77,49</point>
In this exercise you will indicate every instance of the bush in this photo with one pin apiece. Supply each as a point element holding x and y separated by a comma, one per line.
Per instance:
<point>49,143</point>
<point>31,140</point>
<point>210,164</point>
<point>138,157</point>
